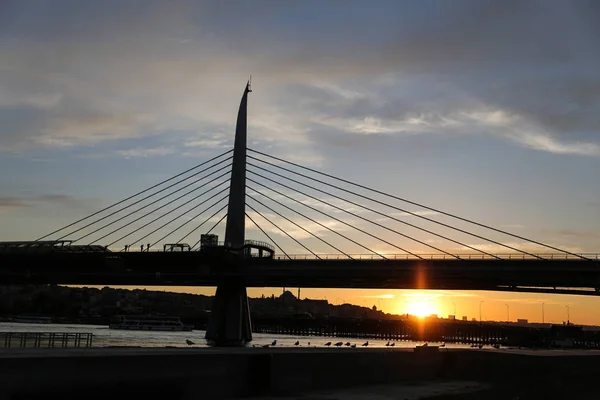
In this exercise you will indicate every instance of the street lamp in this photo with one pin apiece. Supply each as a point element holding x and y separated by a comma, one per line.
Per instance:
<point>543,313</point>
<point>454,304</point>
<point>568,314</point>
<point>480,303</point>
<point>507,312</point>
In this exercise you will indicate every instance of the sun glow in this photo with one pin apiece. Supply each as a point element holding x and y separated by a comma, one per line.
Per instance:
<point>421,307</point>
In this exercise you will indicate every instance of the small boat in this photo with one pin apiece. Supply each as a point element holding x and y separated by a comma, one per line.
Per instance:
<point>149,323</point>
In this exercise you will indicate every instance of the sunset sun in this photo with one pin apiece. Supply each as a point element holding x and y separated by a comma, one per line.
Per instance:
<point>421,307</point>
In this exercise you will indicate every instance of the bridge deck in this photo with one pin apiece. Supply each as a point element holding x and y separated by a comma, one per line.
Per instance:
<point>201,269</point>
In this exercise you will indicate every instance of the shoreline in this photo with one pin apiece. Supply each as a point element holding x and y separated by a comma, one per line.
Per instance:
<point>455,334</point>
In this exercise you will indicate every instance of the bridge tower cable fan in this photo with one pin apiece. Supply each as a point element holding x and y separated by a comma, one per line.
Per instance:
<point>265,233</point>
<point>407,212</point>
<point>125,200</point>
<point>154,210</point>
<point>334,219</point>
<point>211,229</point>
<point>283,217</point>
<point>361,206</point>
<point>306,217</point>
<point>280,229</point>
<point>120,239</point>
<point>353,214</point>
<point>229,323</point>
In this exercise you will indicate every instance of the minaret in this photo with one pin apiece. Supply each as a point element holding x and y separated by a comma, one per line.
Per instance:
<point>229,323</point>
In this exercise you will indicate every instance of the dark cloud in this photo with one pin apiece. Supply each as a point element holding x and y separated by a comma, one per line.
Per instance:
<point>565,106</point>
<point>78,73</point>
<point>535,60</point>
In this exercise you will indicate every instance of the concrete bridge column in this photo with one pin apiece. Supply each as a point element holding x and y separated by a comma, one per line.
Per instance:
<point>229,323</point>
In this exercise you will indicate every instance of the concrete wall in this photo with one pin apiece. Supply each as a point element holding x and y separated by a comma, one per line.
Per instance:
<point>176,374</point>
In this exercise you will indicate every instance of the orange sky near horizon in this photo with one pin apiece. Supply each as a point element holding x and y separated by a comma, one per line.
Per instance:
<point>494,305</point>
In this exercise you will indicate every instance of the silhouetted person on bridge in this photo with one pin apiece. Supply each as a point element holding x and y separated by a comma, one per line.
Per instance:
<point>142,248</point>
<point>148,247</point>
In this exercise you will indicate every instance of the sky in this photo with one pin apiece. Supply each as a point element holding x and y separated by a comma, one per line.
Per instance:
<point>489,110</point>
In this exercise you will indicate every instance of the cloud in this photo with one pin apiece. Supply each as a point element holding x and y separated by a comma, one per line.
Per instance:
<point>178,70</point>
<point>465,119</point>
<point>217,141</point>
<point>147,152</point>
<point>550,144</point>
<point>576,234</point>
<point>10,204</point>
<point>380,296</point>
<point>525,132</point>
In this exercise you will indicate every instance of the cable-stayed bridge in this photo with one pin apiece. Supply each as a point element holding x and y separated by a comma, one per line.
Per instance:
<point>311,229</point>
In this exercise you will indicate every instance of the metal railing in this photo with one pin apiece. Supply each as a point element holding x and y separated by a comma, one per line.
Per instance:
<point>441,256</point>
<point>46,339</point>
<point>403,256</point>
<point>248,242</point>
<point>34,246</point>
<point>259,243</point>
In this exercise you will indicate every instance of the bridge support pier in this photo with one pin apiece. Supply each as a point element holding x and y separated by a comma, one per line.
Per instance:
<point>229,323</point>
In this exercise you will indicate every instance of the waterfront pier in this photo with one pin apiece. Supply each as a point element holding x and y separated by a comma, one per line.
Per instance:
<point>227,373</point>
<point>45,339</point>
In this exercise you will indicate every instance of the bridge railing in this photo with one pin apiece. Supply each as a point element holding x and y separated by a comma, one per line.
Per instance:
<point>259,243</point>
<point>250,242</point>
<point>474,256</point>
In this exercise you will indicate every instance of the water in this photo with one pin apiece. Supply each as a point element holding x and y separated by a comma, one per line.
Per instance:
<point>103,337</point>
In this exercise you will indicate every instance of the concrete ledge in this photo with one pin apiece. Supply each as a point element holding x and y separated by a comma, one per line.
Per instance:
<point>220,373</point>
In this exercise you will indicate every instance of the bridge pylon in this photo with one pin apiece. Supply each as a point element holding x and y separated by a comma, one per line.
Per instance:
<point>229,323</point>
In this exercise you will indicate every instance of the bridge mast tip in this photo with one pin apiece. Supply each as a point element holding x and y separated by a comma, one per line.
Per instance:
<point>249,85</point>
